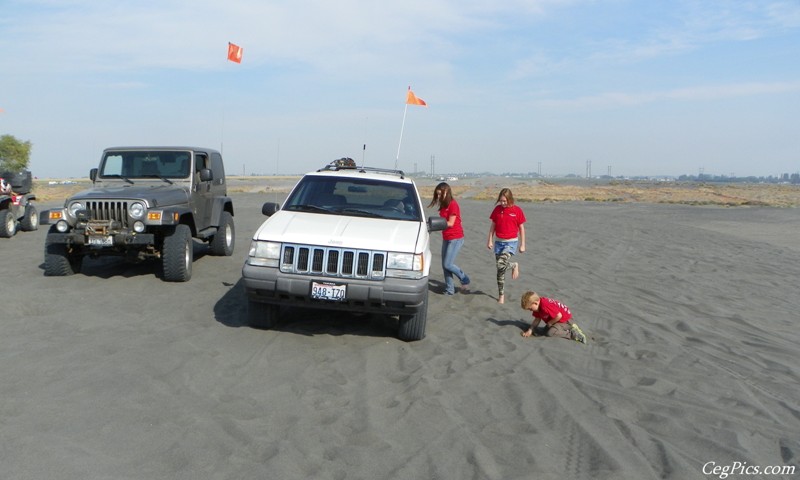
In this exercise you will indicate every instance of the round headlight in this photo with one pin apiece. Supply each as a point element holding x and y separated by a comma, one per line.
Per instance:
<point>138,226</point>
<point>62,226</point>
<point>136,210</point>
<point>74,207</point>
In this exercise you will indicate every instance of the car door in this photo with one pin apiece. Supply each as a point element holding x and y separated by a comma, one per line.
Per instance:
<point>203,192</point>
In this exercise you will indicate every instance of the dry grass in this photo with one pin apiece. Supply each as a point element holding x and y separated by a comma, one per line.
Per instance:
<point>50,193</point>
<point>732,195</point>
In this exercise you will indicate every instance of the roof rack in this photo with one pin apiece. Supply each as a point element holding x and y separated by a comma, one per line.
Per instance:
<point>347,163</point>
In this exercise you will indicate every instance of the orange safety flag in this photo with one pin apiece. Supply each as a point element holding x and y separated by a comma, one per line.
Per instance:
<point>234,53</point>
<point>412,99</point>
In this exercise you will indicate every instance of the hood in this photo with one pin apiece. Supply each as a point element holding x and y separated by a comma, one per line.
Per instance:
<point>342,231</point>
<point>156,195</point>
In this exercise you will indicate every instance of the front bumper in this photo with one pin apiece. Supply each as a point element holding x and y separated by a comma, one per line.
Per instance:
<point>119,240</point>
<point>392,296</point>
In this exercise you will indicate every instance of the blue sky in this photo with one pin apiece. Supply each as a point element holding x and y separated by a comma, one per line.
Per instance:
<point>634,87</point>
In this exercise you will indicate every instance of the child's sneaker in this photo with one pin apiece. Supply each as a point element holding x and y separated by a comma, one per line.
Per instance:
<point>577,333</point>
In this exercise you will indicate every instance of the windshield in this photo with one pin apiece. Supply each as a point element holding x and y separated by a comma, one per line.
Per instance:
<point>355,197</point>
<point>145,164</point>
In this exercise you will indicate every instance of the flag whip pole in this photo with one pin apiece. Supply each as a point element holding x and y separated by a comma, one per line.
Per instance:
<point>402,127</point>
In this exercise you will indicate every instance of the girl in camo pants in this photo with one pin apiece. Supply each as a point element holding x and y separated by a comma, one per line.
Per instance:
<point>507,225</point>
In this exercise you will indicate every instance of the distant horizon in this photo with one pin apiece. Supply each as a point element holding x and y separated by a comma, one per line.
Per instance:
<point>527,175</point>
<point>699,171</point>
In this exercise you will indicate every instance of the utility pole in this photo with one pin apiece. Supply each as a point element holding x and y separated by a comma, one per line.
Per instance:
<point>433,163</point>
<point>278,157</point>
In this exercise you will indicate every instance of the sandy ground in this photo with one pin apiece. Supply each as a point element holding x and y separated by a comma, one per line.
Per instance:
<point>692,358</point>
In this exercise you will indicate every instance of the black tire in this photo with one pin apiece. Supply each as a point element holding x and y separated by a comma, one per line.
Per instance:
<point>177,255</point>
<point>58,262</point>
<point>30,221</point>
<point>412,327</point>
<point>8,224</point>
<point>224,239</point>
<point>262,315</point>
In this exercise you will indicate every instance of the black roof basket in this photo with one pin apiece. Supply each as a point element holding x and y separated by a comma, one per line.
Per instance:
<point>347,163</point>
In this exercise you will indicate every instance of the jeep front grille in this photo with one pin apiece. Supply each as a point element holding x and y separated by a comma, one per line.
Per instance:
<point>333,262</point>
<point>108,210</point>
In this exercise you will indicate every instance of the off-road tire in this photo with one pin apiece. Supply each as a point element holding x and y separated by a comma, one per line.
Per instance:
<point>262,315</point>
<point>224,239</point>
<point>412,327</point>
<point>177,255</point>
<point>8,224</point>
<point>30,221</point>
<point>58,262</point>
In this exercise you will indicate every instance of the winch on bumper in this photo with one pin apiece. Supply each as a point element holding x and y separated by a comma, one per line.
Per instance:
<point>96,235</point>
<point>112,240</point>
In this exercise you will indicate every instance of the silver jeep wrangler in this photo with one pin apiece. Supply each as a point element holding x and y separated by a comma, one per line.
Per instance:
<point>146,202</point>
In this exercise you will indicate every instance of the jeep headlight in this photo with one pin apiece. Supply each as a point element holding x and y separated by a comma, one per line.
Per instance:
<point>404,265</point>
<point>73,209</point>
<point>136,210</point>
<point>264,254</point>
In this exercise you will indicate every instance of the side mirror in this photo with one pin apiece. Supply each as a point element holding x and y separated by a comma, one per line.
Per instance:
<point>436,224</point>
<point>93,174</point>
<point>206,175</point>
<point>270,208</point>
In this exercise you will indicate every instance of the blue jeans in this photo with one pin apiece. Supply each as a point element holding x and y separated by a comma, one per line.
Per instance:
<point>450,250</point>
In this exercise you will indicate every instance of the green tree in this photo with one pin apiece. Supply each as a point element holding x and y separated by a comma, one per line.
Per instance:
<point>14,154</point>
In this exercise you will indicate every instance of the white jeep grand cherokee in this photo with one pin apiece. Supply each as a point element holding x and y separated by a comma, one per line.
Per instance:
<point>347,238</point>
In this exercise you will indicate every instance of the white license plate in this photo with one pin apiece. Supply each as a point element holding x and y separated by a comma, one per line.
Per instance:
<point>328,291</point>
<point>103,241</point>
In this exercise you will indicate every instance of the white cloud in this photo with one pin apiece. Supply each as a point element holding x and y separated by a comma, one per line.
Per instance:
<point>701,93</point>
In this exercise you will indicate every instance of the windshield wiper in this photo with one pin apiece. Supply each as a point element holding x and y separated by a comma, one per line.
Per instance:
<point>114,175</point>
<point>307,208</point>
<point>157,176</point>
<point>361,213</point>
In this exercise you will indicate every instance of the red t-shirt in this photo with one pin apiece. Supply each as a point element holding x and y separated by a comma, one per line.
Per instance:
<point>549,309</point>
<point>507,221</point>
<point>456,231</point>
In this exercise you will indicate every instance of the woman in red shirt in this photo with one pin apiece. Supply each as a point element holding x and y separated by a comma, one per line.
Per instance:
<point>507,224</point>
<point>452,237</point>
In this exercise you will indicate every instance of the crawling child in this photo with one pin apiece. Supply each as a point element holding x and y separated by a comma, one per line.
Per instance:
<point>556,316</point>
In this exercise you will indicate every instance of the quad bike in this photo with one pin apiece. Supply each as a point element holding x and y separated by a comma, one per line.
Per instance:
<point>17,211</point>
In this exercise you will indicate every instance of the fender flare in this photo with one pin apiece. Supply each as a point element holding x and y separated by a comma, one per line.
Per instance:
<point>221,204</point>
<point>184,215</point>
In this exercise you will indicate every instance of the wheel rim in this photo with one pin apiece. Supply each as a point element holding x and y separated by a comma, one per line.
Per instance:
<point>228,235</point>
<point>10,223</point>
